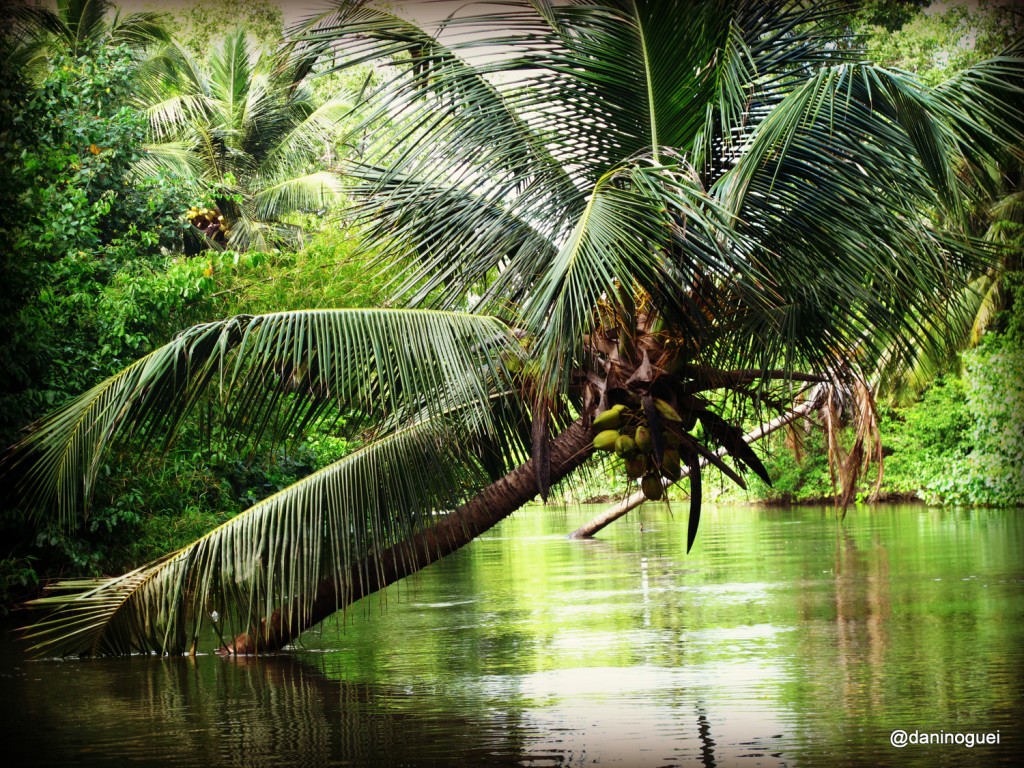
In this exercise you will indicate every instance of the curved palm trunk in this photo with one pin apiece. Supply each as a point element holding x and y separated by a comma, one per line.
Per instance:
<point>485,510</point>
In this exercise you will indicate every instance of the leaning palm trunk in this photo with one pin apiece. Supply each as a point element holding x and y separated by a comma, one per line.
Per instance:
<point>634,500</point>
<point>481,513</point>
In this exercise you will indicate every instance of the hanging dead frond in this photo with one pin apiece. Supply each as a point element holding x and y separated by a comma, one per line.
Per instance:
<point>848,402</point>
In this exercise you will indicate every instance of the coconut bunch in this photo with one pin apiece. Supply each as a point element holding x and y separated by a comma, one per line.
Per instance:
<point>209,221</point>
<point>628,433</point>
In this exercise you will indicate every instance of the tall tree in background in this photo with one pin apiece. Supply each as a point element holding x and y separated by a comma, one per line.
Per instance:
<point>244,125</point>
<point>75,27</point>
<point>200,26</point>
<point>608,212</point>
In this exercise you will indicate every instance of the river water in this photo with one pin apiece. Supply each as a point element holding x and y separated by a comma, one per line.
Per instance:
<point>782,639</point>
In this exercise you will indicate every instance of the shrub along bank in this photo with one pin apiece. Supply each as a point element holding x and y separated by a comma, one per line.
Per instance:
<point>962,443</point>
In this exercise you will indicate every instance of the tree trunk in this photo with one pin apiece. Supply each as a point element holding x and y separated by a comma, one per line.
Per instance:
<point>485,510</point>
<point>613,513</point>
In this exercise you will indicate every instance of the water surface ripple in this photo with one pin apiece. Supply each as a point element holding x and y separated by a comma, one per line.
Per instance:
<point>782,639</point>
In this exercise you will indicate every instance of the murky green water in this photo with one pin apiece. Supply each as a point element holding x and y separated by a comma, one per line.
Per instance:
<point>780,640</point>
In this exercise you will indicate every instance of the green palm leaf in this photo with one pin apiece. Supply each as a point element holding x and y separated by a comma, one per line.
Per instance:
<point>312,191</point>
<point>307,138</point>
<point>244,570</point>
<point>173,156</point>
<point>823,137</point>
<point>384,363</point>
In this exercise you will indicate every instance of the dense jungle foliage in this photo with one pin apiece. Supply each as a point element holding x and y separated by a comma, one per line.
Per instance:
<point>110,247</point>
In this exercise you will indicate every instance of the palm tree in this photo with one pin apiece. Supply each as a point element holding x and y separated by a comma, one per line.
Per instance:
<point>244,125</point>
<point>75,26</point>
<point>609,216</point>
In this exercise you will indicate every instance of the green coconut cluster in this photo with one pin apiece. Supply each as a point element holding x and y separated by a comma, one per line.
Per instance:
<point>629,434</point>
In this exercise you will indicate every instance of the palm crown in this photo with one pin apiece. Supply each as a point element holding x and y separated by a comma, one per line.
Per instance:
<point>75,26</point>
<point>245,124</point>
<point>668,218</point>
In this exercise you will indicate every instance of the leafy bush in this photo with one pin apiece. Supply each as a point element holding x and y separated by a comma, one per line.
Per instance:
<point>797,462</point>
<point>17,577</point>
<point>329,272</point>
<point>924,443</point>
<point>78,216</point>
<point>994,377</point>
<point>962,443</point>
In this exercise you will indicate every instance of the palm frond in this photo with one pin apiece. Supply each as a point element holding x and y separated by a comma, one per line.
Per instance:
<point>231,75</point>
<point>247,232</point>
<point>171,116</point>
<point>140,29</point>
<point>497,245</point>
<point>960,324</point>
<point>174,156</point>
<point>992,298</point>
<point>817,176</point>
<point>676,105</point>
<point>31,23</point>
<point>245,570</point>
<point>449,125</point>
<point>85,19</point>
<point>270,372</point>
<point>1007,215</point>
<point>309,192</point>
<point>306,138</point>
<point>980,105</point>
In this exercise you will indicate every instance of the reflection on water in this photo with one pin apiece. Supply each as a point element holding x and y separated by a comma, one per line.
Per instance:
<point>780,640</point>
